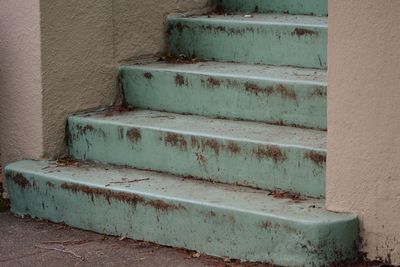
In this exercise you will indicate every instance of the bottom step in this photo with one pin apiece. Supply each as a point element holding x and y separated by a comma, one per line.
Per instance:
<point>216,219</point>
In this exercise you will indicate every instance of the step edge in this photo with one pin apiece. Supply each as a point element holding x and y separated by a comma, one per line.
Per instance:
<point>220,20</point>
<point>99,121</point>
<point>345,217</point>
<point>225,75</point>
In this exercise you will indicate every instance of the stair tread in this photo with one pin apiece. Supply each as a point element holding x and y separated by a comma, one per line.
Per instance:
<point>164,186</point>
<point>254,132</point>
<point>260,19</point>
<point>239,70</point>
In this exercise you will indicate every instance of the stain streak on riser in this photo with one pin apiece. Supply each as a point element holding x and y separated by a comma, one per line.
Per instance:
<point>209,91</point>
<point>169,211</point>
<point>246,161</point>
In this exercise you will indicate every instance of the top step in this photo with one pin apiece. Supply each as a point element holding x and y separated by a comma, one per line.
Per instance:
<point>296,7</point>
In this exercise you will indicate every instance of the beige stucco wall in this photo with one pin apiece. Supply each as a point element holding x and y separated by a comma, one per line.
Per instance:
<point>20,80</point>
<point>363,174</point>
<point>59,57</point>
<point>82,43</point>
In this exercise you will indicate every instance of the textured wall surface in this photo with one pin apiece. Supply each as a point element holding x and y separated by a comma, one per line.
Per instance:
<point>20,81</point>
<point>77,63</point>
<point>363,174</point>
<point>82,43</point>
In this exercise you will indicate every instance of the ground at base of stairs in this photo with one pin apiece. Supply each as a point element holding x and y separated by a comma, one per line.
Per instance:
<point>31,242</point>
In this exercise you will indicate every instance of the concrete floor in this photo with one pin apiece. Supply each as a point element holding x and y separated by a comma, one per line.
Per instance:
<point>30,242</point>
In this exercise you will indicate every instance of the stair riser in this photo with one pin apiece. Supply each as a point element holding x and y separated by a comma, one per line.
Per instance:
<point>250,43</point>
<point>296,7</point>
<point>280,102</point>
<point>208,229</point>
<point>258,165</point>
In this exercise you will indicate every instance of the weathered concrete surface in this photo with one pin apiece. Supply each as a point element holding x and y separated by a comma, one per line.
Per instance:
<point>262,39</point>
<point>280,95</point>
<point>247,153</point>
<point>20,81</point>
<point>363,174</point>
<point>215,219</point>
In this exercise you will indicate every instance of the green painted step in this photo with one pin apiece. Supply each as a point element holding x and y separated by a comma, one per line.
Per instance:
<point>247,153</point>
<point>280,95</point>
<point>216,219</point>
<point>299,7</point>
<point>262,39</point>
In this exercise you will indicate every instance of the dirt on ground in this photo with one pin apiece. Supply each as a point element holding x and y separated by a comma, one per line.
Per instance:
<point>31,242</point>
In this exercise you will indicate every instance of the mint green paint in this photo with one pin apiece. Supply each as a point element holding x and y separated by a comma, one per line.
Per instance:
<point>305,7</point>
<point>266,39</point>
<point>219,150</point>
<point>210,218</point>
<point>283,95</point>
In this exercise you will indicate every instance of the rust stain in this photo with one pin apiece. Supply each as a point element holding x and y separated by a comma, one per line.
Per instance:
<point>173,139</point>
<point>302,32</point>
<point>120,132</point>
<point>317,158</point>
<point>255,89</point>
<point>272,152</point>
<point>294,197</point>
<point>194,142</point>
<point>107,194</point>
<point>201,159</point>
<point>266,225</point>
<point>85,129</point>
<point>212,144</point>
<point>21,180</point>
<point>164,206</point>
<point>213,82</point>
<point>180,80</point>
<point>148,75</point>
<point>182,59</point>
<point>134,135</point>
<point>234,148</point>
<point>286,93</point>
<point>212,214</point>
<point>118,109</point>
<point>319,92</point>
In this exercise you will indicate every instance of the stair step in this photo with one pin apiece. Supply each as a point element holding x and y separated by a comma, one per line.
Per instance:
<point>283,95</point>
<point>263,39</point>
<point>299,7</point>
<point>216,219</point>
<point>247,153</point>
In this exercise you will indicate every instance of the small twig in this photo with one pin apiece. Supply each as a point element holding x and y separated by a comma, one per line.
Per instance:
<point>63,250</point>
<point>68,242</point>
<point>130,181</point>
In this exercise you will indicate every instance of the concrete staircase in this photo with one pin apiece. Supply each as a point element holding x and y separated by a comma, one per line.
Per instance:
<point>222,150</point>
